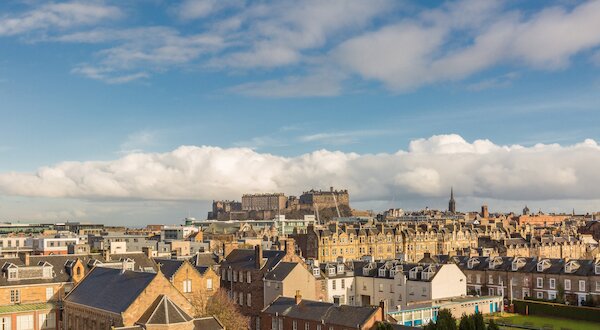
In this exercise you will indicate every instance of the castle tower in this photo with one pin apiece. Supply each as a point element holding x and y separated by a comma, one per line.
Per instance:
<point>452,202</point>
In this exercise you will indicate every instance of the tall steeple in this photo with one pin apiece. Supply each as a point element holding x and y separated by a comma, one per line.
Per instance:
<point>452,202</point>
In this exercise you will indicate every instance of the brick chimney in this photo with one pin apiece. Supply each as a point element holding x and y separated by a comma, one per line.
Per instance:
<point>258,256</point>
<point>298,297</point>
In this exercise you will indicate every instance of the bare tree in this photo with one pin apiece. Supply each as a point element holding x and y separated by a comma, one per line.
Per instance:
<point>223,308</point>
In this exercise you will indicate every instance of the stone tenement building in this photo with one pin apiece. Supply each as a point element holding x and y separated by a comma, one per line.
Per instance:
<point>542,278</point>
<point>221,209</point>
<point>327,244</point>
<point>263,202</point>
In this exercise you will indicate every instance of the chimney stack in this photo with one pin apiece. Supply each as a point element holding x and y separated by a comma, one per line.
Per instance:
<point>383,307</point>
<point>290,246</point>
<point>25,257</point>
<point>258,256</point>
<point>298,297</point>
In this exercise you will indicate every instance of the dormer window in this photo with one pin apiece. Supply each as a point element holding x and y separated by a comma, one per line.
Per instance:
<point>597,269</point>
<point>12,274</point>
<point>382,272</point>
<point>472,263</point>
<point>543,265</point>
<point>571,266</point>
<point>331,271</point>
<point>517,263</point>
<point>340,268</point>
<point>316,272</point>
<point>413,273</point>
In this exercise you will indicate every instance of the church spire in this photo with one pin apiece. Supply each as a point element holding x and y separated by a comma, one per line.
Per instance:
<point>452,202</point>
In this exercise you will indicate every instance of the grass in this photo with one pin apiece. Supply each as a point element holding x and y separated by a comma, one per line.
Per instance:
<point>543,322</point>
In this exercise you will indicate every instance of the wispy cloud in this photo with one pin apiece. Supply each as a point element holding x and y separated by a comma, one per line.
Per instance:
<point>502,81</point>
<point>313,85</point>
<point>57,16</point>
<point>137,141</point>
<point>341,138</point>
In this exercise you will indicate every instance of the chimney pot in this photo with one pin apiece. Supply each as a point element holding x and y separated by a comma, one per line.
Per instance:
<point>258,256</point>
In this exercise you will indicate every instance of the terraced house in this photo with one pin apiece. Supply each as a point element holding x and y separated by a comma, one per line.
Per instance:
<point>410,243</point>
<point>574,280</point>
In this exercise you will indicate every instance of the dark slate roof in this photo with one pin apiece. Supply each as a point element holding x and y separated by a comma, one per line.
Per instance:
<point>169,266</point>
<point>110,289</point>
<point>61,265</point>
<point>164,311</point>
<point>281,271</point>
<point>205,259</point>
<point>208,323</point>
<point>346,316</point>
<point>244,258</point>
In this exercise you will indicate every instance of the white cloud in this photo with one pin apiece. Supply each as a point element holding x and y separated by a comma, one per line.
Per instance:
<point>501,81</point>
<point>341,138</point>
<point>446,44</point>
<point>57,16</point>
<point>478,169</point>
<point>192,9</point>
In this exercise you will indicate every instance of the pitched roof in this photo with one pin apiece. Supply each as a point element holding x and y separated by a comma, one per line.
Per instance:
<point>244,258</point>
<point>164,311</point>
<point>110,289</point>
<point>346,316</point>
<point>281,271</point>
<point>169,266</point>
<point>208,323</point>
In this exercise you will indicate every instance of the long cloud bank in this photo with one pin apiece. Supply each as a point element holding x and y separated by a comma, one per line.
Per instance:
<point>427,169</point>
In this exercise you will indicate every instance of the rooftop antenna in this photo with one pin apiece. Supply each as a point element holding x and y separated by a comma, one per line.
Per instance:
<point>336,205</point>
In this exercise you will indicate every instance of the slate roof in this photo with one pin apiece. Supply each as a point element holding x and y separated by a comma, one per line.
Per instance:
<point>110,289</point>
<point>208,323</point>
<point>344,315</point>
<point>205,259</point>
<point>169,266</point>
<point>244,258</point>
<point>61,265</point>
<point>281,271</point>
<point>164,311</point>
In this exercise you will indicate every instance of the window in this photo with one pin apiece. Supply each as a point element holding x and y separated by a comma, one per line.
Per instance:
<point>241,276</point>
<point>306,325</point>
<point>491,279</point>
<point>295,325</point>
<point>540,282</point>
<point>380,287</point>
<point>209,284</point>
<point>280,323</point>
<point>597,285</point>
<point>273,323</point>
<point>249,299</point>
<point>540,295</point>
<point>25,322</point>
<point>552,283</point>
<point>478,278</point>
<point>15,296</point>
<point>248,277</point>
<point>12,274</point>
<point>567,284</point>
<point>187,286</point>
<point>551,295</point>
<point>5,323</point>
<point>235,273</point>
<point>318,327</point>
<point>343,283</point>
<point>49,293</point>
<point>241,299</point>
<point>581,285</point>
<point>391,288</point>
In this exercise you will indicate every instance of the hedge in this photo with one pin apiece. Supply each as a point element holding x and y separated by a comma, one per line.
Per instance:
<point>557,310</point>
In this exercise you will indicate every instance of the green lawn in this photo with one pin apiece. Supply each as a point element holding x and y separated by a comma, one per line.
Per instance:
<point>543,322</point>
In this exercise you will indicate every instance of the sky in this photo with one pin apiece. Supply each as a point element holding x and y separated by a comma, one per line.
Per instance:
<point>145,111</point>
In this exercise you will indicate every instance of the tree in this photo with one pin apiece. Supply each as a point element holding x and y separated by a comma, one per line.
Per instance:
<point>384,326</point>
<point>430,326</point>
<point>478,321</point>
<point>560,297</point>
<point>466,323</point>
<point>493,325</point>
<point>445,320</point>
<point>223,308</point>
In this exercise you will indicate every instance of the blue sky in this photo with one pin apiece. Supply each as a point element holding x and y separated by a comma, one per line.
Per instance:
<point>96,81</point>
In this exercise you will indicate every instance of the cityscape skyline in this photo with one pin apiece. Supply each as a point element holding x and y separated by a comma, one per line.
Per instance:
<point>147,111</point>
